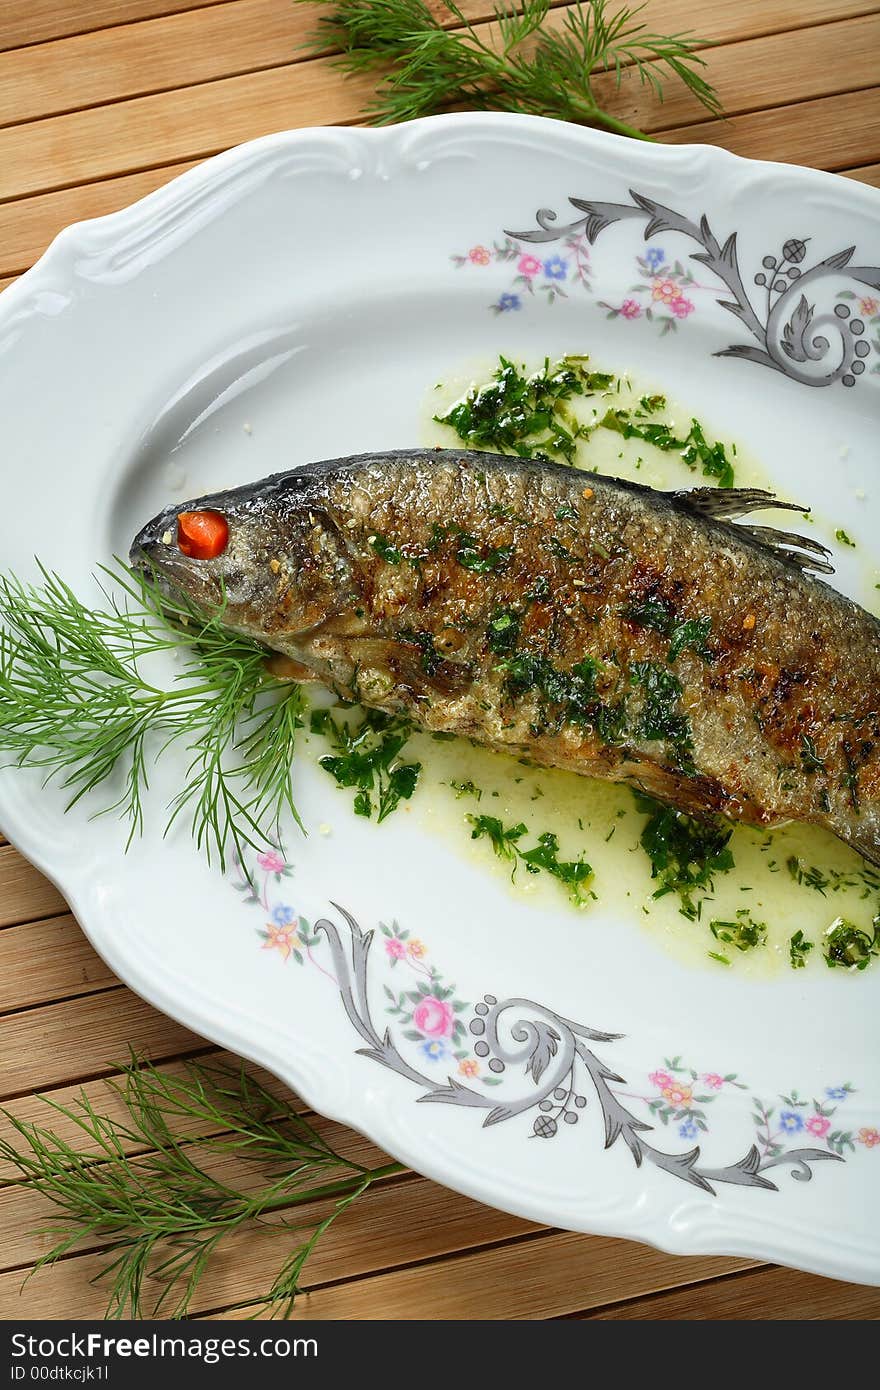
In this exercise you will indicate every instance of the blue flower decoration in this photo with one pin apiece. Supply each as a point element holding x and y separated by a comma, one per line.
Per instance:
<point>556,268</point>
<point>688,1129</point>
<point>435,1050</point>
<point>282,915</point>
<point>655,256</point>
<point>836,1092</point>
<point>790,1121</point>
<point>509,301</point>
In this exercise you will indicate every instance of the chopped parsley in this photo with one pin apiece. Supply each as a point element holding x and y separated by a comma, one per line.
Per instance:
<point>525,415</point>
<point>685,852</point>
<point>471,558</point>
<point>659,718</point>
<point>687,635</point>
<point>849,947</point>
<point>385,550</point>
<point>798,950</point>
<point>502,632</point>
<point>844,539</point>
<point>468,788</point>
<point>832,880</point>
<point>430,659</point>
<point>809,756</point>
<point>574,875</point>
<point>694,449</point>
<point>367,759</point>
<point>744,934</point>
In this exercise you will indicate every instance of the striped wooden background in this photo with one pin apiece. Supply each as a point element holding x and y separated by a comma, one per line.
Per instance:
<point>100,102</point>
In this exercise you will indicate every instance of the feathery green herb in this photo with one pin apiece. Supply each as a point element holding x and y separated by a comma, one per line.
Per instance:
<point>76,701</point>
<point>525,65</point>
<point>164,1213</point>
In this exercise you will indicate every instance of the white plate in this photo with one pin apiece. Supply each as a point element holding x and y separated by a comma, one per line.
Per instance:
<point>311,286</point>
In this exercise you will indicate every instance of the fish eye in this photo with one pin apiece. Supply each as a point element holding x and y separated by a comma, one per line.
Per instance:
<point>202,535</point>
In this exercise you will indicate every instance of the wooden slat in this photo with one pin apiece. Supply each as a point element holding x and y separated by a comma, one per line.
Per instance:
<point>25,894</point>
<point>758,1295</point>
<point>27,225</point>
<point>35,21</point>
<point>177,51</point>
<point>48,960</point>
<point>393,1224</point>
<point>87,1037</point>
<point>25,1214</point>
<point>758,74</point>
<point>545,1277</point>
<point>196,121</point>
<point>181,50</point>
<point>868,173</point>
<point>33,1110</point>
<point>829,134</point>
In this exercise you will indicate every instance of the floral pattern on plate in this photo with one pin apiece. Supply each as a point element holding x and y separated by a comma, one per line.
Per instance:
<point>797,327</point>
<point>541,1059</point>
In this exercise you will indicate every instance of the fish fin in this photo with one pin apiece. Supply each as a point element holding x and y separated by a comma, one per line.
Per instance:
<point>726,504</point>
<point>808,555</point>
<point>860,839</point>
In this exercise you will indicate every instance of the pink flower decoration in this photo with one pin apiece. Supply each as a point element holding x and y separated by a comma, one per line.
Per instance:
<point>529,265</point>
<point>869,1137</point>
<point>714,1080</point>
<point>469,1067</point>
<point>681,307</point>
<point>869,306</point>
<point>433,1017</point>
<point>271,861</point>
<point>395,948</point>
<point>818,1125</point>
<point>631,309</point>
<point>677,1094</point>
<point>660,1079</point>
<point>479,255</point>
<point>667,290</point>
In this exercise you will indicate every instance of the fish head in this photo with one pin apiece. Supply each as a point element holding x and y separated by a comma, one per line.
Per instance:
<point>284,568</point>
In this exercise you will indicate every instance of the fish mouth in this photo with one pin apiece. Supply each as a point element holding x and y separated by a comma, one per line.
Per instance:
<point>154,554</point>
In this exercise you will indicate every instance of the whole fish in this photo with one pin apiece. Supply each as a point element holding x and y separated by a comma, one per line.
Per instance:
<point>586,622</point>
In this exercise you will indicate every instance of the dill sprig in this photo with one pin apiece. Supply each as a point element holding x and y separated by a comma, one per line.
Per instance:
<point>522,66</point>
<point>163,1213</point>
<point>75,700</point>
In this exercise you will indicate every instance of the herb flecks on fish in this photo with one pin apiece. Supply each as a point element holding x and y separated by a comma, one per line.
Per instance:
<point>685,634</point>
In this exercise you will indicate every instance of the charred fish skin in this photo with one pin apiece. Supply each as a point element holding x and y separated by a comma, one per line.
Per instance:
<point>588,622</point>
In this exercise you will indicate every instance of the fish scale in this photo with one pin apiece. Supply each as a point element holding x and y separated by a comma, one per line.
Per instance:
<point>652,637</point>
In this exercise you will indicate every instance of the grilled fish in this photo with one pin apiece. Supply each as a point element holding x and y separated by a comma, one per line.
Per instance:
<point>583,621</point>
